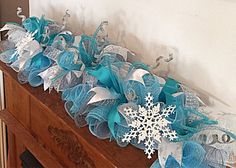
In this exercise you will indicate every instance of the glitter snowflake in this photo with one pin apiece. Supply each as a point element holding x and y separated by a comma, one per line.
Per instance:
<point>21,45</point>
<point>149,124</point>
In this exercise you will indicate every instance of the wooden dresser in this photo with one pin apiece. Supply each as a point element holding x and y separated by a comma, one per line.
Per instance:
<point>37,121</point>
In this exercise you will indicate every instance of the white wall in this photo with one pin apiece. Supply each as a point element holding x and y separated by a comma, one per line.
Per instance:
<point>201,33</point>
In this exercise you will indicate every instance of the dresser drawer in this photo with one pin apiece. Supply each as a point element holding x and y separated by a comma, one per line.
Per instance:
<point>17,101</point>
<point>62,142</point>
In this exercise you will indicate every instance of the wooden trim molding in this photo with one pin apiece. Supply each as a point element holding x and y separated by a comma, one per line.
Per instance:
<point>69,144</point>
<point>3,134</point>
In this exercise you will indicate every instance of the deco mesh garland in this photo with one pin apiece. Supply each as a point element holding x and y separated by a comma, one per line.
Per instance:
<point>116,98</point>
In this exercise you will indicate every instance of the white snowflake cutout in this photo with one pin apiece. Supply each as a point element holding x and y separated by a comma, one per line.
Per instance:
<point>149,124</point>
<point>21,45</point>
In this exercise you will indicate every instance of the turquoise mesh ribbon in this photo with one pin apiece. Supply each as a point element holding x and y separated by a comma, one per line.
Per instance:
<point>8,56</point>
<point>76,98</point>
<point>87,49</point>
<point>66,61</point>
<point>181,119</point>
<point>34,66</point>
<point>194,155</point>
<point>34,24</point>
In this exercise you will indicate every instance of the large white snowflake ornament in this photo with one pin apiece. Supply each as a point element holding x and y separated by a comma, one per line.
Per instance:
<point>149,124</point>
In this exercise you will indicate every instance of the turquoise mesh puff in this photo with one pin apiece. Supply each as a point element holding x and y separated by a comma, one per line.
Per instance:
<point>32,24</point>
<point>90,46</point>
<point>32,69</point>
<point>136,91</point>
<point>97,121</point>
<point>193,157</point>
<point>67,36</point>
<point>184,126</point>
<point>87,49</point>
<point>66,61</point>
<point>8,53</point>
<point>8,56</point>
<point>120,131</point>
<point>46,30</point>
<point>171,163</point>
<point>75,98</point>
<point>185,121</point>
<point>37,26</point>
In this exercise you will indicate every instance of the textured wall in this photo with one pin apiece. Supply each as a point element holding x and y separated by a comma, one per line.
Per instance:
<point>201,33</point>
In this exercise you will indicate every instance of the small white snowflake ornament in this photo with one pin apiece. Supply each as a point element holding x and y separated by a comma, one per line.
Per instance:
<point>21,45</point>
<point>149,124</point>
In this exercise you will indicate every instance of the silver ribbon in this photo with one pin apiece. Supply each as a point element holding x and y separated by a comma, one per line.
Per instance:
<point>15,33</point>
<point>26,48</point>
<point>77,40</point>
<point>52,52</point>
<point>116,50</point>
<point>137,75</point>
<point>220,141</point>
<point>10,26</point>
<point>48,75</point>
<point>100,95</point>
